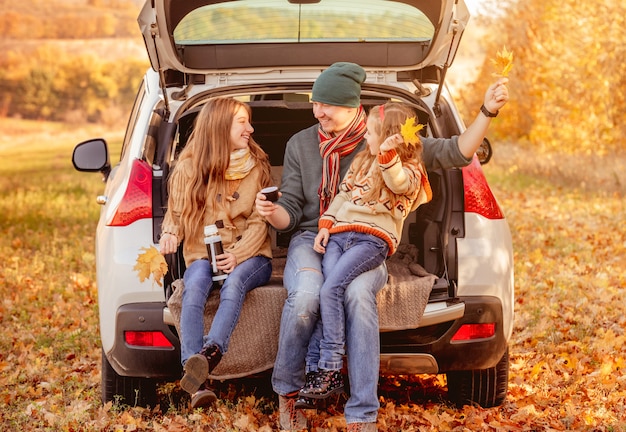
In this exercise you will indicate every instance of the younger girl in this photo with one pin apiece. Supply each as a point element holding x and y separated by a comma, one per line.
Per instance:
<point>383,185</point>
<point>215,182</point>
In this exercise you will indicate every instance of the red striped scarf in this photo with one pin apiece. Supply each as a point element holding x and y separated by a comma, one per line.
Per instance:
<point>332,148</point>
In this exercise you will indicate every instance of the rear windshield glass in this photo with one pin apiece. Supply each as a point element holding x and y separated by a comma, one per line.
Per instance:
<point>262,21</point>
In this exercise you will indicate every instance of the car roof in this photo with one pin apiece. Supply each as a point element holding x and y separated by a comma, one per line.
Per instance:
<point>213,36</point>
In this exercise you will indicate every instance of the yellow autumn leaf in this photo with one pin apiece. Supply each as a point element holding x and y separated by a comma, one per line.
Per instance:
<point>151,263</point>
<point>503,62</point>
<point>410,131</point>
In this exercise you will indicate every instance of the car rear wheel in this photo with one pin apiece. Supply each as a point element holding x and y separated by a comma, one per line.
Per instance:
<point>131,391</point>
<point>485,387</point>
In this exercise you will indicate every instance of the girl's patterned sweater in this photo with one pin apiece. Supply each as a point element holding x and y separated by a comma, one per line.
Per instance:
<point>406,188</point>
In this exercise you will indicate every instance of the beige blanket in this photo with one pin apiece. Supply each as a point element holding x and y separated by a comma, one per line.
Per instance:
<point>254,342</point>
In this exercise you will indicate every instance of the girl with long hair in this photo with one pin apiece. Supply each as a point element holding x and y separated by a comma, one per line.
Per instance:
<point>215,182</point>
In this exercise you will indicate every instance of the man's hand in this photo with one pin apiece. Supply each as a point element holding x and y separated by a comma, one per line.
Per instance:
<point>265,207</point>
<point>497,95</point>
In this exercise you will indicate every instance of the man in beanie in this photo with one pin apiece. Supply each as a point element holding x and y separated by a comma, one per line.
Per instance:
<point>339,85</point>
<point>316,159</point>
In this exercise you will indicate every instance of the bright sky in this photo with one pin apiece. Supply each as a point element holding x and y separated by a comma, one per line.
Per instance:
<point>472,5</point>
<point>478,7</point>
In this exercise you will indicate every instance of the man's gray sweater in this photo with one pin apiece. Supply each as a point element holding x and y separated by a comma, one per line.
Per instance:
<point>302,171</point>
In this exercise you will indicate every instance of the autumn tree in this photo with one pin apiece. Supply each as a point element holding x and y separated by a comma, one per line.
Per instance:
<point>51,85</point>
<point>568,83</point>
<point>68,20</point>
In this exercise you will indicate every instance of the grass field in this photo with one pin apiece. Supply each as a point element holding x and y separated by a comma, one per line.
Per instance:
<point>567,354</point>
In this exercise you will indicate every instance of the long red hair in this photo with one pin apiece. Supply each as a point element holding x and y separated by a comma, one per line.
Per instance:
<point>209,146</point>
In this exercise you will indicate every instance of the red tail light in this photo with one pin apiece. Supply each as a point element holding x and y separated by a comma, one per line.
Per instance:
<point>137,201</point>
<point>478,196</point>
<point>147,339</point>
<point>474,331</point>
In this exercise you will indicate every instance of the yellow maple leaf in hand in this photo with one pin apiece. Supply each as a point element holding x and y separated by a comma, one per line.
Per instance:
<point>151,262</point>
<point>503,62</point>
<point>410,131</point>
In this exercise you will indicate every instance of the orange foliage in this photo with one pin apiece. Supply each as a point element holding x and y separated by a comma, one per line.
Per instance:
<point>567,88</point>
<point>568,348</point>
<point>53,86</point>
<point>34,19</point>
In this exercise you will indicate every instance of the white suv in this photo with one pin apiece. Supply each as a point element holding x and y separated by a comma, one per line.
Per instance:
<point>268,53</point>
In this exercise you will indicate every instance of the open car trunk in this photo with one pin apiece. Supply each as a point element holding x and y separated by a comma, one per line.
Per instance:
<point>422,271</point>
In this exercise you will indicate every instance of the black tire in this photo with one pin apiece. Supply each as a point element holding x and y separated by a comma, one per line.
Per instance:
<point>485,387</point>
<point>130,391</point>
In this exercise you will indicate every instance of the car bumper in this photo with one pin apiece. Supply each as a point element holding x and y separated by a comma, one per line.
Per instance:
<point>144,361</point>
<point>431,350</point>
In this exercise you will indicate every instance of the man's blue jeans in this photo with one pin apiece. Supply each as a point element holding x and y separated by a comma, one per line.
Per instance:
<point>348,255</point>
<point>246,276</point>
<point>303,279</point>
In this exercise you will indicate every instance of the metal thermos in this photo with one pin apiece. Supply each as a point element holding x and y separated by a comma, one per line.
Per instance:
<point>214,247</point>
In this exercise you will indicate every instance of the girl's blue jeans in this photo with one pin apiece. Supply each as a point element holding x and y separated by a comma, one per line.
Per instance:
<point>246,276</point>
<point>348,255</point>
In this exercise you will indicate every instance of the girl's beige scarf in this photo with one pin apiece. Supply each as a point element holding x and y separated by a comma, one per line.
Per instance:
<point>241,163</point>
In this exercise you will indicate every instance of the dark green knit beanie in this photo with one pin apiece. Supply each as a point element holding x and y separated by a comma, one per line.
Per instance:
<point>339,85</point>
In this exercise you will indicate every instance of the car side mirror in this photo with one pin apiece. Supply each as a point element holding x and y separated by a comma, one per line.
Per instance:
<point>484,152</point>
<point>92,156</point>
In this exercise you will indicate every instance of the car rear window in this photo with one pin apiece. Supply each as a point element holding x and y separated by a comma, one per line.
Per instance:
<point>256,21</point>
